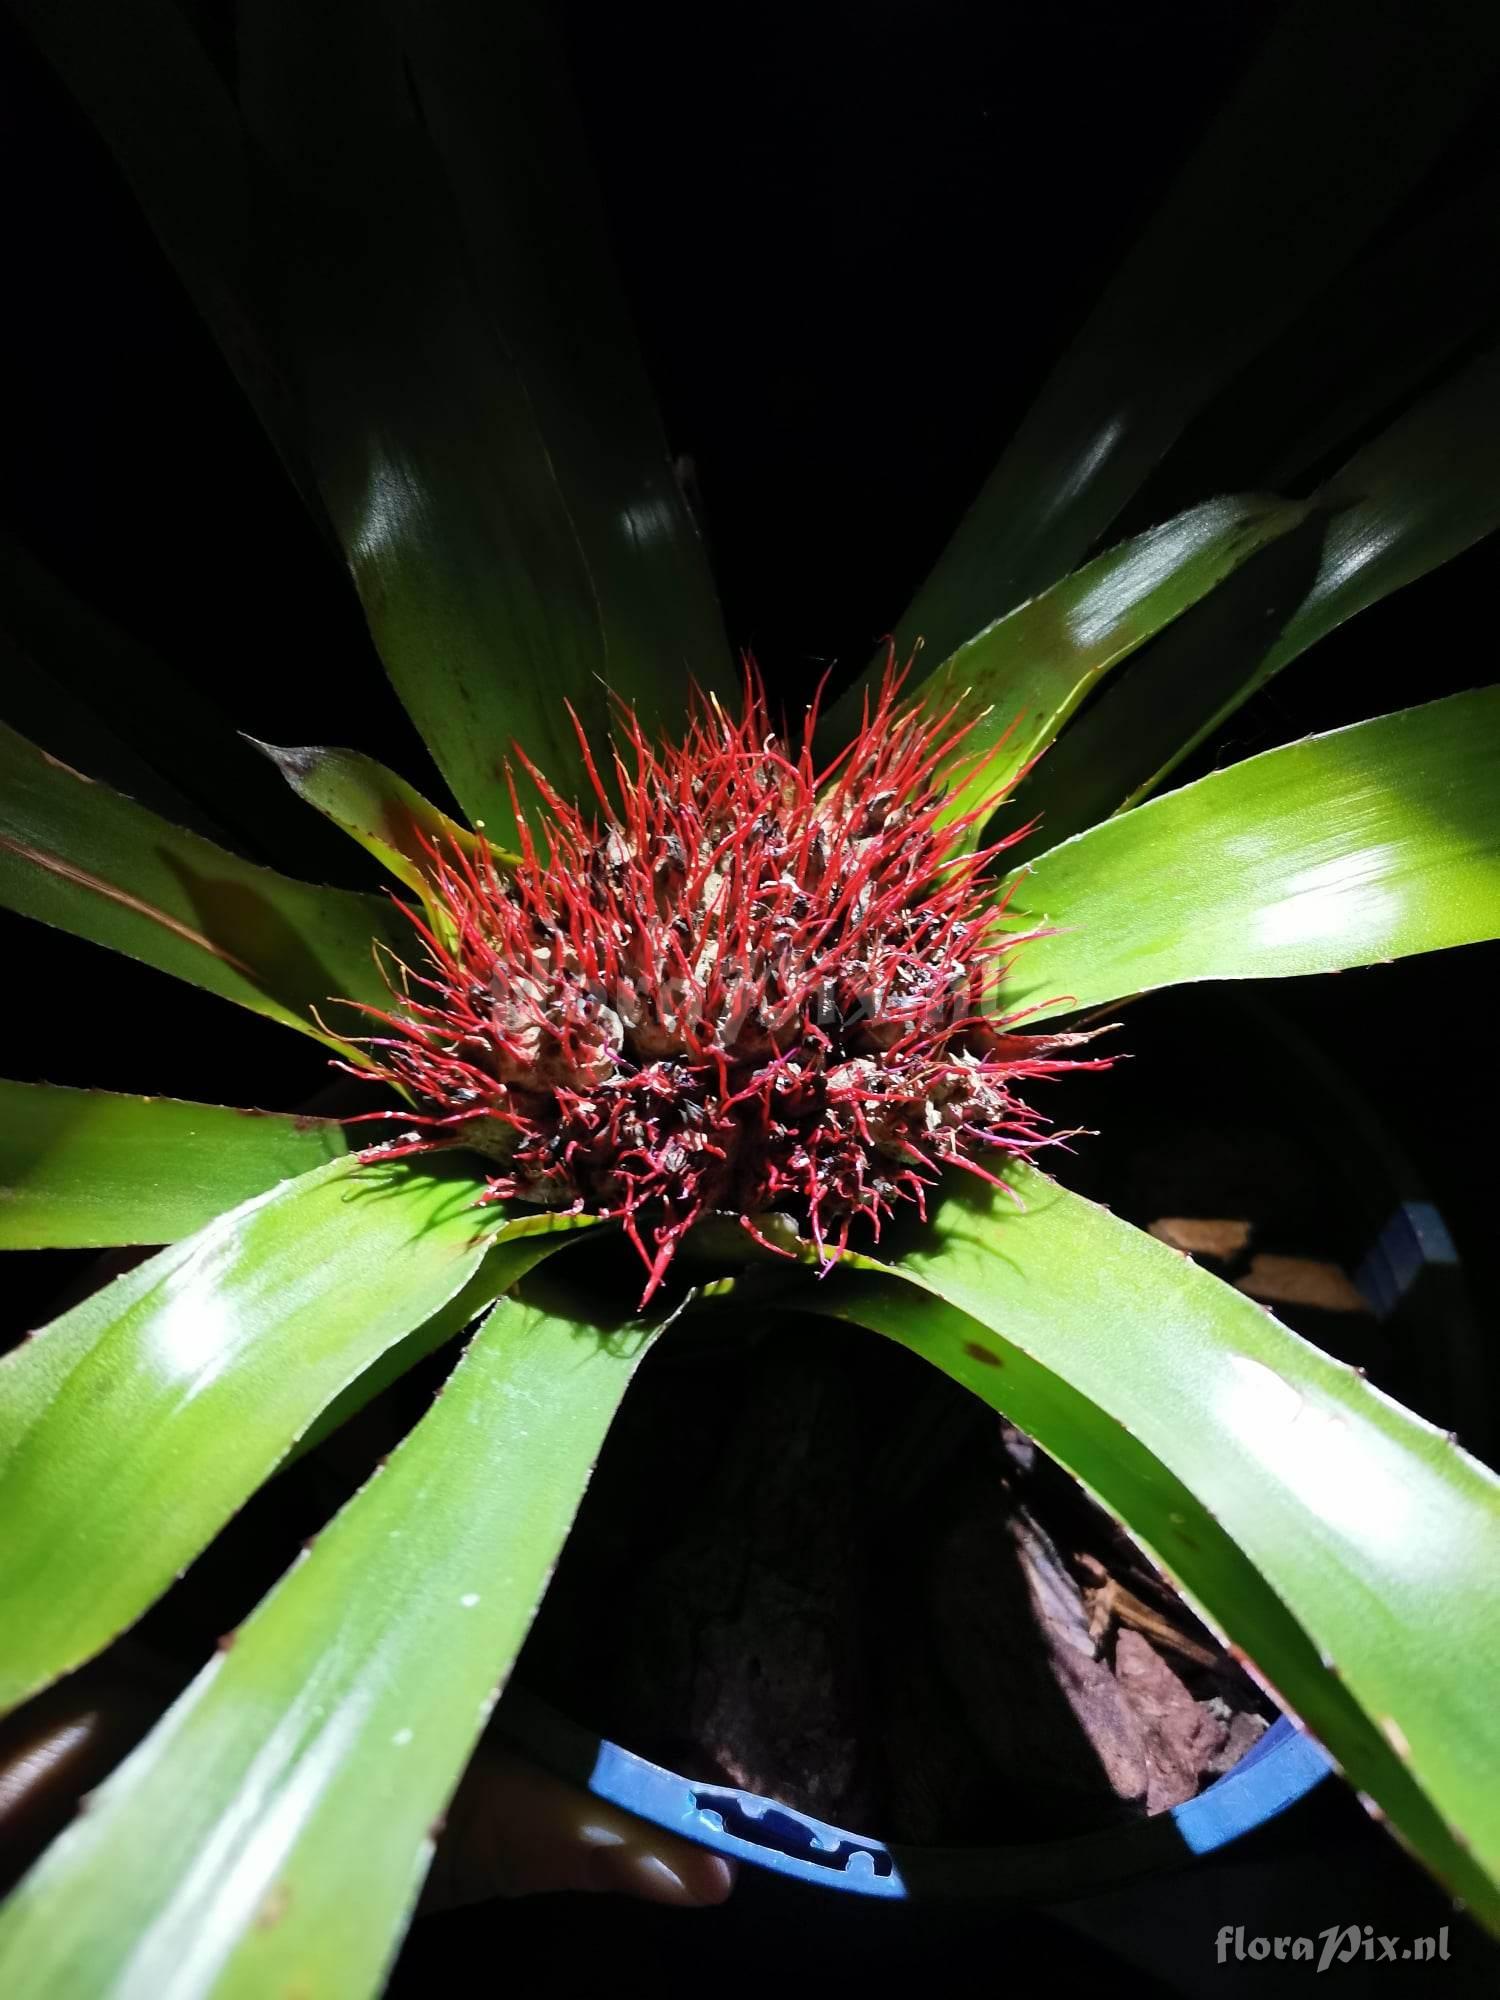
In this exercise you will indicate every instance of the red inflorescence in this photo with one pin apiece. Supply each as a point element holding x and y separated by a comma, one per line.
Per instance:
<point>745,986</point>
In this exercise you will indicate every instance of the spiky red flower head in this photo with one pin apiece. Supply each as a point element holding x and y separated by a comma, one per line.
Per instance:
<point>743,985</point>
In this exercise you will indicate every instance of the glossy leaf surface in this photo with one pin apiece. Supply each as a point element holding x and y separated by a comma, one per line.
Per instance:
<point>1368,843</point>
<point>1175,1529</point>
<point>85,1168</point>
<point>1285,188</point>
<point>1410,501</point>
<point>1026,674</point>
<point>272,1834</point>
<point>132,1427</point>
<point>1367,1523</point>
<point>504,567</point>
<point>498,101</point>
<point>374,806</point>
<point>529,1239</point>
<point>1383,332</point>
<point>78,855</point>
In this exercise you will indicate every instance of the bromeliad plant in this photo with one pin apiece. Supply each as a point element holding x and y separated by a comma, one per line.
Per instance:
<point>730,974</point>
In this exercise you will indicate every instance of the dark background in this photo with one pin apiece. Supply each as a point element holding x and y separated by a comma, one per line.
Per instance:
<point>855,237</point>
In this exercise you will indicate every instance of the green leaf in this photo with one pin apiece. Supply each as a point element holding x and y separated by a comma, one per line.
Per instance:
<point>1369,1525</point>
<point>1287,186</point>
<point>272,1834</point>
<point>78,855</point>
<point>381,811</point>
<point>1174,1528</point>
<point>134,1426</point>
<point>428,326</point>
<point>1029,671</point>
<point>1420,494</point>
<point>527,1239</point>
<point>1417,496</point>
<point>499,104</point>
<point>83,1168</point>
<point>1383,330</point>
<point>1369,843</point>
<point>476,431</point>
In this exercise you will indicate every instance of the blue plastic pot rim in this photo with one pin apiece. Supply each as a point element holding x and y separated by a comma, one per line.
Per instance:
<point>1277,1771</point>
<point>1282,1767</point>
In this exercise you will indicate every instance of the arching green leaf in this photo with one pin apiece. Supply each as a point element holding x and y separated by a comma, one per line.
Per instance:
<point>483,444</point>
<point>76,854</point>
<point>1368,843</point>
<point>1366,1523</point>
<point>272,1834</point>
<point>1419,495</point>
<point>85,1168</point>
<point>132,1427</point>
<point>1284,189</point>
<point>387,816</point>
<point>1026,674</point>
